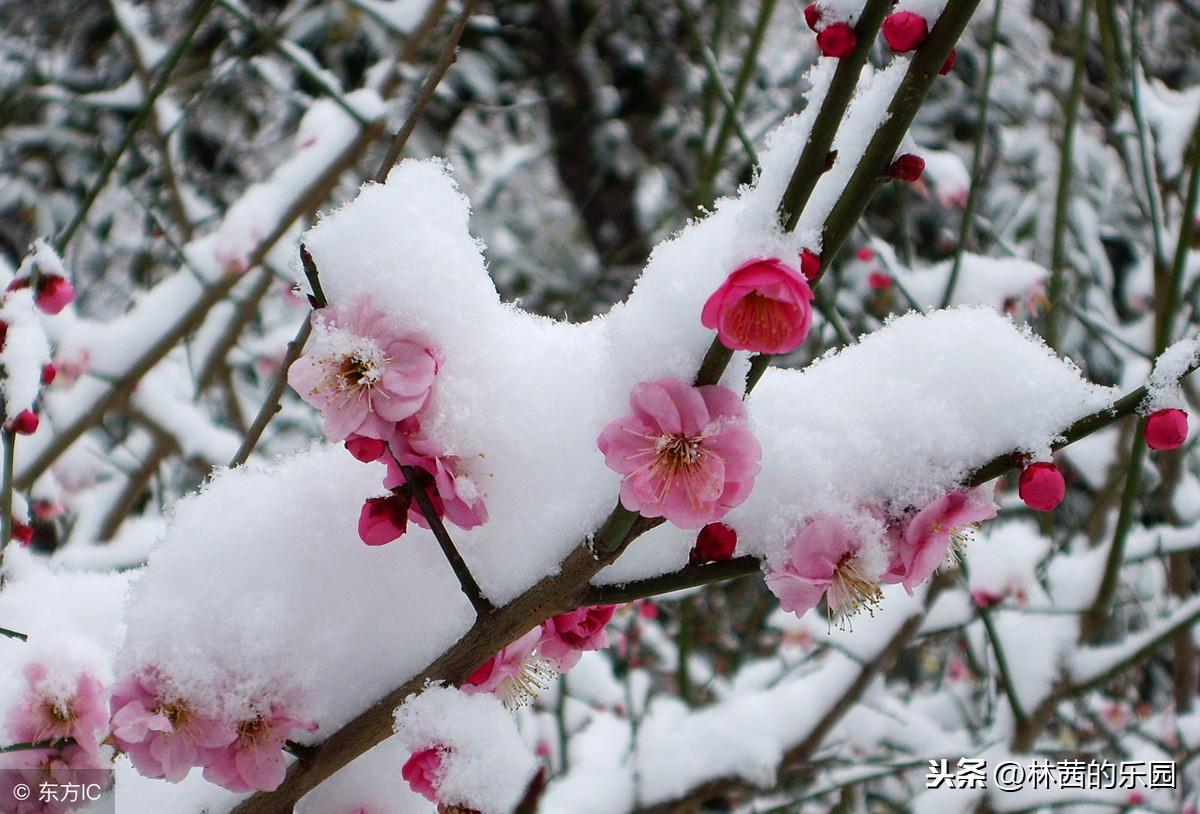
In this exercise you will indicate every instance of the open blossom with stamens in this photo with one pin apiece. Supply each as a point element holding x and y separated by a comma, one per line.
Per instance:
<point>763,306</point>
<point>929,536</point>
<point>685,452</point>
<point>46,713</point>
<point>514,674</point>
<point>825,559</point>
<point>565,636</point>
<point>163,734</point>
<point>254,760</point>
<point>453,493</point>
<point>362,373</point>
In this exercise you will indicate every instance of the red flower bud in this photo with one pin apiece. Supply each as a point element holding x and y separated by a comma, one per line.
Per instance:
<point>49,371</point>
<point>904,31</point>
<point>810,265</point>
<point>715,542</point>
<point>54,293</point>
<point>1042,486</point>
<point>1166,429</point>
<point>907,167</point>
<point>26,423</point>
<point>812,15</point>
<point>837,40</point>
<point>879,281</point>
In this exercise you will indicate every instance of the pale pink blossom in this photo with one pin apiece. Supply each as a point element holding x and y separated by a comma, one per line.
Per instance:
<point>514,674</point>
<point>361,372</point>
<point>926,540</point>
<point>824,559</point>
<point>685,452</point>
<point>163,734</point>
<point>565,636</point>
<point>57,767</point>
<point>424,771</point>
<point>46,713</point>
<point>254,761</point>
<point>453,493</point>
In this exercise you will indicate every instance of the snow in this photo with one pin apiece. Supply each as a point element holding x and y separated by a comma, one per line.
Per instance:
<point>24,353</point>
<point>1171,365</point>
<point>487,766</point>
<point>981,280</point>
<point>928,398</point>
<point>273,621</point>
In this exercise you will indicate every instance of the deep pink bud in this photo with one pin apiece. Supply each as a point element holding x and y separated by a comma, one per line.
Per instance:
<point>837,40</point>
<point>49,371</point>
<point>866,254</point>
<point>879,281</point>
<point>22,532</point>
<point>904,31</point>
<point>948,65</point>
<point>383,519</point>
<point>18,284</point>
<point>810,265</point>
<point>763,306</point>
<point>3,333</point>
<point>424,771</point>
<point>26,423</point>
<point>812,15</point>
<point>1166,429</point>
<point>715,542</point>
<point>365,449</point>
<point>54,293</point>
<point>907,167</point>
<point>1042,486</point>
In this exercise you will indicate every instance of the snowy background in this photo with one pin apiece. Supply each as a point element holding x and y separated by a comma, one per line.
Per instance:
<point>187,590</point>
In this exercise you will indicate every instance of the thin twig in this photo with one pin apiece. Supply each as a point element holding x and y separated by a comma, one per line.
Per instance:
<point>1066,166</point>
<point>139,118</point>
<point>432,80</point>
<point>483,606</point>
<point>985,93</point>
<point>14,634</point>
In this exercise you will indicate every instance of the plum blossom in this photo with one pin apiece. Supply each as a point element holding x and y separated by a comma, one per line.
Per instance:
<point>163,734</point>
<point>254,760</point>
<point>514,674</point>
<point>564,637</point>
<point>763,306</point>
<point>453,493</point>
<point>928,537</point>
<point>825,559</point>
<point>685,452</point>
<point>46,713</point>
<point>58,767</point>
<point>362,373</point>
<point>1042,486</point>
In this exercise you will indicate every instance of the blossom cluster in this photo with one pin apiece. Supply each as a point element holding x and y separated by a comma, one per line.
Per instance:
<point>371,381</point>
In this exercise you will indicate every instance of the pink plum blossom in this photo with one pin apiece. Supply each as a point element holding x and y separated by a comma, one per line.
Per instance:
<point>58,767</point>
<point>514,674</point>
<point>685,452</point>
<point>452,491</point>
<point>254,760</point>
<point>362,373</point>
<point>424,771</point>
<point>825,559</point>
<point>927,538</point>
<point>163,734</point>
<point>763,306</point>
<point>565,636</point>
<point>45,713</point>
